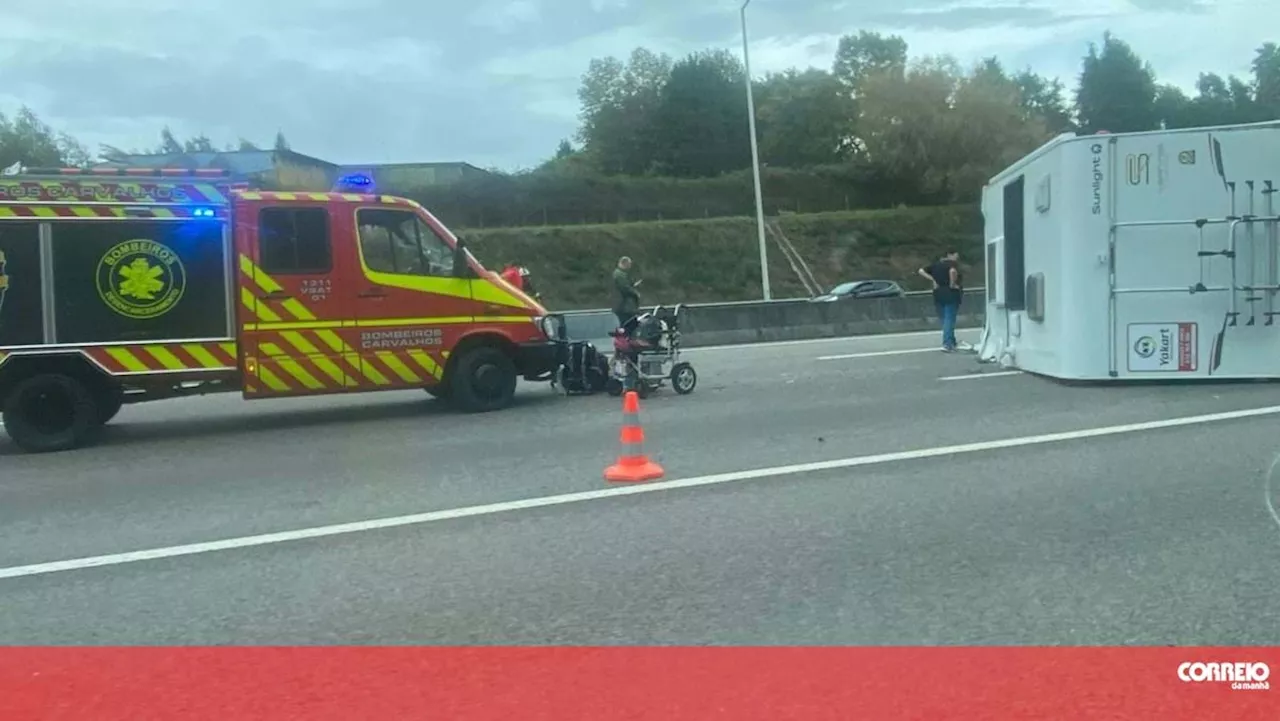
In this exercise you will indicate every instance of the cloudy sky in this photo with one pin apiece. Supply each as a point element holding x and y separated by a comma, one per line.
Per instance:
<point>493,82</point>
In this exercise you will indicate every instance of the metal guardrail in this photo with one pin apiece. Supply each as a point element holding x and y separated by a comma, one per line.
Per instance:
<point>731,303</point>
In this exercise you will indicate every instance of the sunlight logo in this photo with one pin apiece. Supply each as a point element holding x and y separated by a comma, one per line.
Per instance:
<point>1241,676</point>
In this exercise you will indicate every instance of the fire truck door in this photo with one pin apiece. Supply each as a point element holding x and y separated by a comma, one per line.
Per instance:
<point>410,305</point>
<point>294,343</point>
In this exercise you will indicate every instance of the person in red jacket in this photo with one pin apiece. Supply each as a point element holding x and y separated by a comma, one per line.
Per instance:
<point>518,275</point>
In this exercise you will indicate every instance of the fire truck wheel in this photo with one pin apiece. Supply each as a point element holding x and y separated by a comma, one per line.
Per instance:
<point>47,413</point>
<point>484,379</point>
<point>440,391</point>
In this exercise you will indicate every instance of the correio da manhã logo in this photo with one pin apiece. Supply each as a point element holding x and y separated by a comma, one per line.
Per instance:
<point>141,279</point>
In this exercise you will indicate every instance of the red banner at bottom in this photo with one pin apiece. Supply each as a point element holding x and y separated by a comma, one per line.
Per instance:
<point>809,684</point>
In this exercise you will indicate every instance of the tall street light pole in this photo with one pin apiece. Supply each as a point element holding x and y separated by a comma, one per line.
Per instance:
<point>755,159</point>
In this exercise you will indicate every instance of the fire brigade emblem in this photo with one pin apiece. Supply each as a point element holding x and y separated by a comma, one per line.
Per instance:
<point>141,279</point>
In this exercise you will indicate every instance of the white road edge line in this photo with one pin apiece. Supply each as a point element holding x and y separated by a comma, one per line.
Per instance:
<point>879,353</point>
<point>998,374</point>
<point>117,559</point>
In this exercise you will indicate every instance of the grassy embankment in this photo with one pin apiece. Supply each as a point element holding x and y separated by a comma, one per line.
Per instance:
<point>717,260</point>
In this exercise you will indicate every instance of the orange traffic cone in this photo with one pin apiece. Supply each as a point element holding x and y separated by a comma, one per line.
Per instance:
<point>633,465</point>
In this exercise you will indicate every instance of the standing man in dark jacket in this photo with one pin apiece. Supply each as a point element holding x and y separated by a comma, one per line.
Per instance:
<point>627,304</point>
<point>944,274</point>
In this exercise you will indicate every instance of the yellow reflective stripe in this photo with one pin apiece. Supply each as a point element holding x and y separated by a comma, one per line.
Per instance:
<point>263,280</point>
<point>271,350</point>
<point>322,197</point>
<point>332,340</point>
<point>301,325</point>
<point>427,362</point>
<point>330,368</point>
<point>397,366</point>
<point>352,197</point>
<point>269,284</point>
<point>271,379</point>
<point>291,366</point>
<point>386,322</point>
<point>383,322</point>
<point>202,356</point>
<point>127,359</point>
<point>298,310</point>
<point>84,212</point>
<point>165,358</point>
<point>42,212</point>
<point>250,196</point>
<point>284,196</point>
<point>230,349</point>
<point>162,213</point>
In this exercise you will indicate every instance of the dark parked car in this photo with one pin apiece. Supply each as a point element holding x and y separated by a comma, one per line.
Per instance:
<point>861,289</point>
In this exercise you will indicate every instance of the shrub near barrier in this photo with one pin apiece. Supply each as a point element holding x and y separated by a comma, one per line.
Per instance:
<point>566,198</point>
<point>708,261</point>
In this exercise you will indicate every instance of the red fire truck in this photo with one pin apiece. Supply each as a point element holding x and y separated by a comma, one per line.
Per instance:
<point>125,286</point>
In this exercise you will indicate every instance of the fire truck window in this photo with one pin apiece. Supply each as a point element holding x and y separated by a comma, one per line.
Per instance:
<point>295,241</point>
<point>397,241</point>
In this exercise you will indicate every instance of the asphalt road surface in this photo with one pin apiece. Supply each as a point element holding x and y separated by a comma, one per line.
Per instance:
<point>860,491</point>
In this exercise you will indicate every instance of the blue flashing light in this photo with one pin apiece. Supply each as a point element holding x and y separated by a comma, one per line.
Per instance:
<point>357,182</point>
<point>202,213</point>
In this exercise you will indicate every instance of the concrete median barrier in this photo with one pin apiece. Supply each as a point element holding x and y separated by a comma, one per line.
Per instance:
<point>708,324</point>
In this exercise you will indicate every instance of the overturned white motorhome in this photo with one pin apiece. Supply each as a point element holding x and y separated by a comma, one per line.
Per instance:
<point>1137,256</point>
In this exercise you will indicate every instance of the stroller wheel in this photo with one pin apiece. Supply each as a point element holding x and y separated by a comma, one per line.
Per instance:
<point>614,387</point>
<point>684,378</point>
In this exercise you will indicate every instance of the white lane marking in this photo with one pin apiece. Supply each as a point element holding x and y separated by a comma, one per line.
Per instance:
<point>116,559</point>
<point>879,353</point>
<point>1267,492</point>
<point>998,374</point>
<point>811,341</point>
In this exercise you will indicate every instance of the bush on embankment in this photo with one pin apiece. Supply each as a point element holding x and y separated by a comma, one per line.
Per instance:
<point>699,261</point>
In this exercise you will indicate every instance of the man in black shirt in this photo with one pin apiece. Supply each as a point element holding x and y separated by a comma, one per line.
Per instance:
<point>944,274</point>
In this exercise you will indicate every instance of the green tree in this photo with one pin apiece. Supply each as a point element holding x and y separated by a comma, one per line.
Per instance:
<point>1043,98</point>
<point>937,134</point>
<point>1266,80</point>
<point>28,140</point>
<point>618,102</point>
<point>868,54</point>
<point>169,144</point>
<point>1117,90</point>
<point>244,145</point>
<point>803,119</point>
<point>198,144</point>
<point>700,128</point>
<point>1173,107</point>
<point>281,144</point>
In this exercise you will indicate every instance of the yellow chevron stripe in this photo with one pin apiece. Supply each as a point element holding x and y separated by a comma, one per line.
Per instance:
<point>84,212</point>
<point>127,359</point>
<point>165,358</point>
<point>230,349</point>
<point>322,197</point>
<point>250,196</point>
<point>202,356</point>
<point>290,366</point>
<point>397,366</point>
<point>427,362</point>
<point>271,379</point>
<point>331,369</point>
